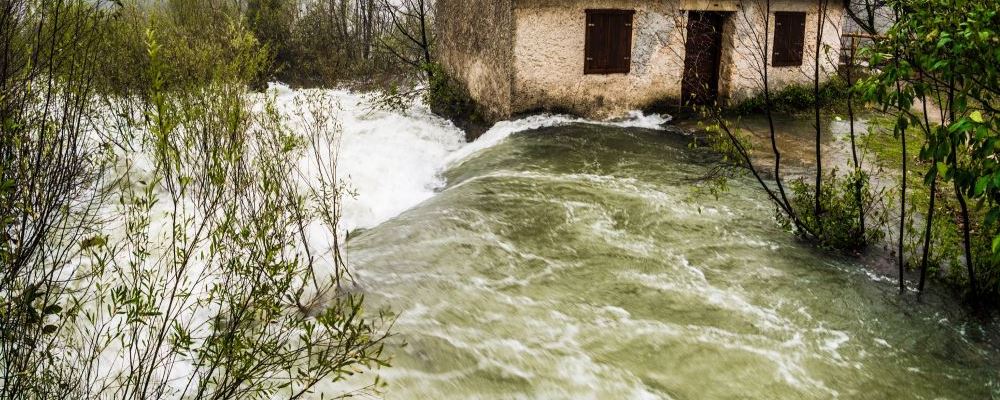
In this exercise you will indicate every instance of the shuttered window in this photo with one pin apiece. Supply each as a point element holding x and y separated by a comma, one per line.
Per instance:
<point>609,42</point>
<point>789,38</point>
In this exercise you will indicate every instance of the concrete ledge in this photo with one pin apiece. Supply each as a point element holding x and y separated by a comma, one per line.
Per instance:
<point>710,5</point>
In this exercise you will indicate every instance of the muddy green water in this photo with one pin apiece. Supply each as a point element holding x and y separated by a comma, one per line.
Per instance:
<point>576,262</point>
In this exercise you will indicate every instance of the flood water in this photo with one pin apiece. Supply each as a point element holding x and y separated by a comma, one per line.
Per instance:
<point>577,262</point>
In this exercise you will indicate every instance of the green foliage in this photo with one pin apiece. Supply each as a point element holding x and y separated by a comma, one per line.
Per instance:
<point>316,52</point>
<point>236,290</point>
<point>946,258</point>
<point>948,52</point>
<point>313,44</point>
<point>732,144</point>
<point>336,42</point>
<point>838,228</point>
<point>162,222</point>
<point>199,42</point>
<point>49,189</point>
<point>393,99</point>
<point>796,98</point>
<point>987,264</point>
<point>448,97</point>
<point>271,22</point>
<point>444,95</point>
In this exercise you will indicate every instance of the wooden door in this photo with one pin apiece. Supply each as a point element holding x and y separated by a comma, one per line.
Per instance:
<point>703,52</point>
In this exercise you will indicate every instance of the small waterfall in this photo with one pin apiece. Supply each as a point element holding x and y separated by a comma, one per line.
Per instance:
<point>394,160</point>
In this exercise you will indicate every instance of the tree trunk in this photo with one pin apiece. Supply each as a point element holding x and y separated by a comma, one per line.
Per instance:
<point>770,118</point>
<point>968,239</point>
<point>927,235</point>
<point>425,45</point>
<point>902,213</point>
<point>961,197</point>
<point>820,21</point>
<point>858,184</point>
<point>930,208</point>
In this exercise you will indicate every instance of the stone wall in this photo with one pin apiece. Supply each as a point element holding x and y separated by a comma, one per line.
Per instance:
<point>549,55</point>
<point>475,46</point>
<point>748,54</point>
<point>549,58</point>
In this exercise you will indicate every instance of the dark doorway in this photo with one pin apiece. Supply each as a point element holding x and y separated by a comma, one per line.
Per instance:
<point>703,52</point>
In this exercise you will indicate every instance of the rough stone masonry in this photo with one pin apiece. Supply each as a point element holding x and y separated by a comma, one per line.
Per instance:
<point>521,56</point>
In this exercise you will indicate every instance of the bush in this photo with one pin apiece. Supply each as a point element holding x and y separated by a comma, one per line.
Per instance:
<point>199,42</point>
<point>333,43</point>
<point>449,98</point>
<point>231,287</point>
<point>797,98</point>
<point>154,234</point>
<point>305,44</point>
<point>839,226</point>
<point>271,22</point>
<point>50,184</point>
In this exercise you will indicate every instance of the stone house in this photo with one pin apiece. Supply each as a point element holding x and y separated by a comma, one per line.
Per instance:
<point>602,58</point>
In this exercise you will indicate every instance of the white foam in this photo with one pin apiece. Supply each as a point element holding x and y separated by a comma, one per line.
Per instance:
<point>503,129</point>
<point>394,160</point>
<point>391,160</point>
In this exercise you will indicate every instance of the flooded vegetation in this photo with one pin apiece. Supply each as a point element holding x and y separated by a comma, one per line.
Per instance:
<point>267,199</point>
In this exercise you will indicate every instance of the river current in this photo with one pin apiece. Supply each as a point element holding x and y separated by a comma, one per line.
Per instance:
<point>560,258</point>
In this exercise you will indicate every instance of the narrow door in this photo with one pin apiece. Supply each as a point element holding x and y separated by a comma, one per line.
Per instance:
<point>703,52</point>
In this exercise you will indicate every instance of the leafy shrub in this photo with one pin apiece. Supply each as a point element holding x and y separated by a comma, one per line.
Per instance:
<point>733,145</point>
<point>987,265</point>
<point>231,288</point>
<point>334,42</point>
<point>838,227</point>
<point>154,234</point>
<point>946,49</point>
<point>796,98</point>
<point>449,98</point>
<point>271,22</point>
<point>199,42</point>
<point>50,183</point>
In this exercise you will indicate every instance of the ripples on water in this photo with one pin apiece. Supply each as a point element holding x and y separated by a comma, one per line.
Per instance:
<point>559,259</point>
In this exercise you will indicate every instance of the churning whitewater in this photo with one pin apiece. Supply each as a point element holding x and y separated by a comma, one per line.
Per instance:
<point>393,161</point>
<point>561,258</point>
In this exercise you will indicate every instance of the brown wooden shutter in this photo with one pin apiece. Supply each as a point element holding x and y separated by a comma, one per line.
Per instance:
<point>608,47</point>
<point>789,39</point>
<point>623,58</point>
